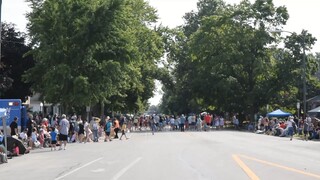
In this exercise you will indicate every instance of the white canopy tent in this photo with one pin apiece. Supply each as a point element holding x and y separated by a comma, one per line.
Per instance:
<point>315,110</point>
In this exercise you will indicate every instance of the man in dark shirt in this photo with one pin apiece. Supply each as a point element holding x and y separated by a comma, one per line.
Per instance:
<point>14,127</point>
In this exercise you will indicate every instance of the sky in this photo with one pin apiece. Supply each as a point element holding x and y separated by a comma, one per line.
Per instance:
<point>303,15</point>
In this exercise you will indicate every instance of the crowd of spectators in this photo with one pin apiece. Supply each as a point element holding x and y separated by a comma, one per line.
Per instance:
<point>46,132</point>
<point>42,132</point>
<point>308,128</point>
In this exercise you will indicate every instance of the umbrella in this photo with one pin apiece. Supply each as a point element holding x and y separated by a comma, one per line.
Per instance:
<point>18,142</point>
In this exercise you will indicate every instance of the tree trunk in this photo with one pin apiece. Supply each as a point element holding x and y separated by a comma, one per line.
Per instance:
<point>102,110</point>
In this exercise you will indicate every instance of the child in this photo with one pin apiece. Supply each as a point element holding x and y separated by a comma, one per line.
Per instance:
<point>41,138</point>
<point>123,130</point>
<point>73,137</point>
<point>34,139</point>
<point>53,135</point>
<point>15,150</point>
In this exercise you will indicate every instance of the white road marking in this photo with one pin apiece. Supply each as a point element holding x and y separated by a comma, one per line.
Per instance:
<point>98,170</point>
<point>124,170</point>
<point>77,169</point>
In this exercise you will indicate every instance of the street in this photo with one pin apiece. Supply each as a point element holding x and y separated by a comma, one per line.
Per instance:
<point>211,155</point>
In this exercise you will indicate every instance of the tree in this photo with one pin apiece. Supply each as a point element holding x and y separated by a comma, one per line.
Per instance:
<point>224,58</point>
<point>14,64</point>
<point>289,70</point>
<point>91,52</point>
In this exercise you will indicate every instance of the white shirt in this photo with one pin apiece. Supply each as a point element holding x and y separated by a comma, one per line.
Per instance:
<point>64,126</point>
<point>34,136</point>
<point>172,121</point>
<point>95,126</point>
<point>289,123</point>
<point>221,122</point>
<point>190,119</point>
<point>23,136</point>
<point>235,121</point>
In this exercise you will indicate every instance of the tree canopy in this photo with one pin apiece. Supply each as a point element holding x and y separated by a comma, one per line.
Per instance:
<point>89,52</point>
<point>14,63</point>
<point>224,59</point>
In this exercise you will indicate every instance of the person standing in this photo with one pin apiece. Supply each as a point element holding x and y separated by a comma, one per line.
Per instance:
<point>207,119</point>
<point>88,131</point>
<point>199,124</point>
<point>221,122</point>
<point>123,130</point>
<point>235,122</point>
<point>172,124</point>
<point>30,125</point>
<point>290,124</point>
<point>189,122</point>
<point>14,127</point>
<point>95,127</point>
<point>135,123</point>
<point>81,132</point>
<point>53,136</point>
<point>63,131</point>
<point>182,122</point>
<point>152,123</point>
<point>108,129</point>
<point>217,122</point>
<point>305,129</point>
<point>116,128</point>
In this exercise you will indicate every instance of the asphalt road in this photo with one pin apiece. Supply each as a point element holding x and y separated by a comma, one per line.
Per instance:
<point>214,155</point>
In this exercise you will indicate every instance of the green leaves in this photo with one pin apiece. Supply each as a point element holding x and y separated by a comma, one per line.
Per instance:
<point>14,63</point>
<point>224,61</point>
<point>94,51</point>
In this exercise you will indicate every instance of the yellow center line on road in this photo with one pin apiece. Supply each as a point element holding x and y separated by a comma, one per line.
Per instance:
<point>282,167</point>
<point>245,168</point>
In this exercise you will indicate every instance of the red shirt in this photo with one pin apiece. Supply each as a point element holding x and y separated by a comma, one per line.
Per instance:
<point>283,126</point>
<point>207,119</point>
<point>16,150</point>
